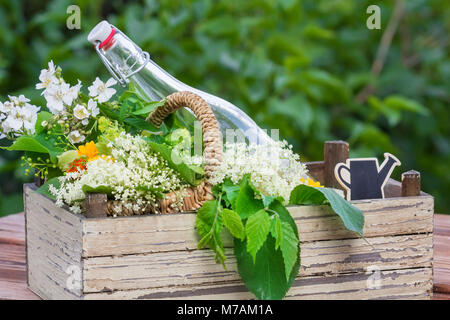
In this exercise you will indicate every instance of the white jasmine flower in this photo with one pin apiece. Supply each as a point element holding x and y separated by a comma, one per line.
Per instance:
<point>47,77</point>
<point>74,91</point>
<point>57,96</point>
<point>92,107</point>
<point>101,90</point>
<point>18,101</point>
<point>75,137</point>
<point>80,112</point>
<point>6,107</point>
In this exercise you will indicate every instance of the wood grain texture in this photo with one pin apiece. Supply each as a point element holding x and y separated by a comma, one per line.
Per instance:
<point>143,234</point>
<point>197,267</point>
<point>396,284</point>
<point>53,245</point>
<point>13,276</point>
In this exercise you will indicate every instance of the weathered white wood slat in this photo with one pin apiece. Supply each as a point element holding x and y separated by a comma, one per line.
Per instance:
<point>198,267</point>
<point>143,234</point>
<point>53,245</point>
<point>394,284</point>
<point>156,257</point>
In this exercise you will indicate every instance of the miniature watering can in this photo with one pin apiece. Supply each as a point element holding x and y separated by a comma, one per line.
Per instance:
<point>365,179</point>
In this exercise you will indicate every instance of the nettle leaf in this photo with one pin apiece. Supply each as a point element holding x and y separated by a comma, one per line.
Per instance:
<point>231,192</point>
<point>352,217</point>
<point>256,229</point>
<point>233,223</point>
<point>289,247</point>
<point>246,204</point>
<point>276,231</point>
<point>209,224</point>
<point>264,276</point>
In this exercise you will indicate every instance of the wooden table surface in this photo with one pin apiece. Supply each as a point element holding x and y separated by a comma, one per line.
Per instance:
<point>13,274</point>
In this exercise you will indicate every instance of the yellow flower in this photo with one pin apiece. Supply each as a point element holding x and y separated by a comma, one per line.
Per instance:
<point>310,182</point>
<point>89,150</point>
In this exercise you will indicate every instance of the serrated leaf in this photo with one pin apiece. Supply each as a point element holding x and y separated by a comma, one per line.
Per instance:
<point>289,247</point>
<point>209,221</point>
<point>276,231</point>
<point>256,230</point>
<point>233,223</point>
<point>231,192</point>
<point>246,204</point>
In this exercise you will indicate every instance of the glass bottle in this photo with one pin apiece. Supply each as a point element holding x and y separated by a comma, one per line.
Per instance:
<point>129,64</point>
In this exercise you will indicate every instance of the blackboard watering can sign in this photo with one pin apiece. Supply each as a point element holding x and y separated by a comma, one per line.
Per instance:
<point>364,178</point>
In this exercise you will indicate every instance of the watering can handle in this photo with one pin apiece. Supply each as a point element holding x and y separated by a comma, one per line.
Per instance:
<point>339,177</point>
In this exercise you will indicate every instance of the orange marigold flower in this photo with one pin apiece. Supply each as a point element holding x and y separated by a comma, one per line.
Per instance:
<point>77,165</point>
<point>89,150</point>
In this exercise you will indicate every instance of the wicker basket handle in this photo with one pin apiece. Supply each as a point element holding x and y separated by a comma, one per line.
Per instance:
<point>212,137</point>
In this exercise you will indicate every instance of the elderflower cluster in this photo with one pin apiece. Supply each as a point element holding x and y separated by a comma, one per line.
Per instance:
<point>274,169</point>
<point>134,173</point>
<point>66,104</point>
<point>17,117</point>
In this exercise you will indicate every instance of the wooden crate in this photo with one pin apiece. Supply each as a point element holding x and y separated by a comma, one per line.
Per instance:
<point>70,256</point>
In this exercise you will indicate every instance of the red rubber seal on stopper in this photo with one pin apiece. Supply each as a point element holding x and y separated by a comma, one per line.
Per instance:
<point>107,40</point>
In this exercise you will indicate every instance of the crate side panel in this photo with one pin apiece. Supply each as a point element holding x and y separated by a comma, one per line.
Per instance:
<point>197,267</point>
<point>158,233</point>
<point>393,284</point>
<point>54,248</point>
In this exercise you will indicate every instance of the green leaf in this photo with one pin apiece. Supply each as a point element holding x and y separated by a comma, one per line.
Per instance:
<point>289,247</point>
<point>401,103</point>
<point>188,174</point>
<point>98,189</point>
<point>276,231</point>
<point>66,158</point>
<point>42,116</point>
<point>306,195</point>
<point>41,143</point>
<point>44,188</point>
<point>149,107</point>
<point>233,223</point>
<point>265,275</point>
<point>246,204</point>
<point>209,224</point>
<point>256,229</point>
<point>352,217</point>
<point>141,124</point>
<point>231,191</point>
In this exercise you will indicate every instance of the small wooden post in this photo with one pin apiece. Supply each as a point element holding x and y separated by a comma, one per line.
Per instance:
<point>411,184</point>
<point>96,205</point>
<point>334,152</point>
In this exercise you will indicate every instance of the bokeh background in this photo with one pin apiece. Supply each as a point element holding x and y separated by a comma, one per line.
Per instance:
<point>311,68</point>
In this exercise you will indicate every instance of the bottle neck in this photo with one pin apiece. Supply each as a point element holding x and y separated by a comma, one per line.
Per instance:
<point>129,64</point>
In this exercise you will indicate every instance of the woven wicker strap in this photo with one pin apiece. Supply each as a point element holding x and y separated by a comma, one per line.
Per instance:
<point>212,138</point>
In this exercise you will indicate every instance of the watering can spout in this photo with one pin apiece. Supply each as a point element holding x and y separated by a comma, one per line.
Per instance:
<point>386,168</point>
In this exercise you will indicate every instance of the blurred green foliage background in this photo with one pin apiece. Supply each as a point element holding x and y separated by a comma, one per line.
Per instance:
<point>302,66</point>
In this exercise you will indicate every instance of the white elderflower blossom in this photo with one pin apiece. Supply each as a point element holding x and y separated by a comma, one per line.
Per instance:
<point>134,173</point>
<point>101,90</point>
<point>274,169</point>
<point>47,77</point>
